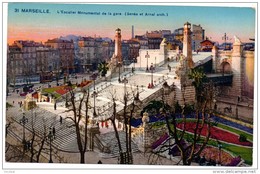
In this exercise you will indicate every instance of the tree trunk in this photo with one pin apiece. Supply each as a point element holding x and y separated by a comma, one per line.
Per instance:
<point>79,142</point>
<point>32,150</point>
<point>82,157</point>
<point>117,136</point>
<point>40,150</point>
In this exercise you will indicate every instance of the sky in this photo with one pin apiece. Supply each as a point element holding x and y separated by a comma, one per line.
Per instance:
<point>24,25</point>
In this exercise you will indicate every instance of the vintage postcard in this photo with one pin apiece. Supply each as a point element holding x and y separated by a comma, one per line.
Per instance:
<point>168,84</point>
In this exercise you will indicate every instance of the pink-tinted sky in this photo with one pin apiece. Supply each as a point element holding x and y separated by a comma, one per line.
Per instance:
<point>43,26</point>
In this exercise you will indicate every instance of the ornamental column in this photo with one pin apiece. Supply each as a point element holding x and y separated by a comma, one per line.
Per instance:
<point>187,44</point>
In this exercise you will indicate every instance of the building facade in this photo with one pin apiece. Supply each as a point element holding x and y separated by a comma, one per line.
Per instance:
<point>154,39</point>
<point>21,62</point>
<point>198,35</point>
<point>206,45</point>
<point>66,53</point>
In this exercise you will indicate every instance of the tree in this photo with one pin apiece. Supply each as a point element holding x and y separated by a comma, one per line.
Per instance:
<point>37,140</point>
<point>202,110</point>
<point>34,146</point>
<point>127,115</point>
<point>77,107</point>
<point>103,68</point>
<point>113,120</point>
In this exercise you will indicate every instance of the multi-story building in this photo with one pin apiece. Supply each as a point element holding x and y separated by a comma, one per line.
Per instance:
<point>66,53</point>
<point>198,34</point>
<point>143,41</point>
<point>86,52</point>
<point>21,62</point>
<point>92,51</point>
<point>124,51</point>
<point>134,47</point>
<point>48,63</point>
<point>154,39</point>
<point>206,45</point>
<point>178,34</point>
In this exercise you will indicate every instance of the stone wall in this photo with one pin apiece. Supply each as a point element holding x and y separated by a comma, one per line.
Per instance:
<point>144,137</point>
<point>184,92</point>
<point>242,64</point>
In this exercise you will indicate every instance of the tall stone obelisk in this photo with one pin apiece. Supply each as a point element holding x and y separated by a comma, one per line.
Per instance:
<point>187,44</point>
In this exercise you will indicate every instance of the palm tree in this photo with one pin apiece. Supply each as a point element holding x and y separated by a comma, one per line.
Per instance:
<point>198,76</point>
<point>103,68</point>
<point>187,146</point>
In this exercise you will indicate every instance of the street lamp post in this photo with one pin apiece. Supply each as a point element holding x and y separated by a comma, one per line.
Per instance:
<point>23,121</point>
<point>94,108</point>
<point>225,38</point>
<point>134,64</point>
<point>147,56</point>
<point>50,138</point>
<point>215,104</point>
<point>152,69</point>
<point>125,81</point>
<point>94,76</point>
<point>119,66</point>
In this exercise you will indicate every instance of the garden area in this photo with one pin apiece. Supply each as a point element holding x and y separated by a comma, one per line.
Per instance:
<point>235,139</point>
<point>58,91</point>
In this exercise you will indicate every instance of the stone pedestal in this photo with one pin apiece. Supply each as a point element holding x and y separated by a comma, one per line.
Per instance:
<point>29,103</point>
<point>237,62</point>
<point>92,131</point>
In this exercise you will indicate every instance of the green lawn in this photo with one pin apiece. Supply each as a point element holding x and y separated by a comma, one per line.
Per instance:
<point>245,152</point>
<point>53,89</point>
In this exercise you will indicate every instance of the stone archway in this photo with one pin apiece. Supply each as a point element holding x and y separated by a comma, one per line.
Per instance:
<point>226,68</point>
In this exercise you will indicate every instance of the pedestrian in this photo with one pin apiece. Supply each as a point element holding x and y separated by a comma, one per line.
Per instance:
<point>60,119</point>
<point>119,125</point>
<point>13,102</point>
<point>169,67</point>
<point>55,106</point>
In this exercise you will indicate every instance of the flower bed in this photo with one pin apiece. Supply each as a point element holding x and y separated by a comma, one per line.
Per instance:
<point>232,124</point>
<point>211,153</point>
<point>160,141</point>
<point>154,118</point>
<point>217,134</point>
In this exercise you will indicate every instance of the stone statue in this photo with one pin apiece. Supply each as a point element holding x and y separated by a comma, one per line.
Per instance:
<point>163,41</point>
<point>145,119</point>
<point>237,40</point>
